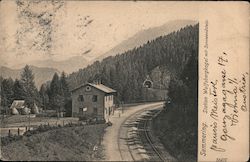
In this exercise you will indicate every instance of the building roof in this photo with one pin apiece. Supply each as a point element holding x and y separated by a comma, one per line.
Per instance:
<point>18,104</point>
<point>100,87</point>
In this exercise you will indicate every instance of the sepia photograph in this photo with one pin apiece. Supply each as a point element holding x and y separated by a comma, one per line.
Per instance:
<point>99,80</point>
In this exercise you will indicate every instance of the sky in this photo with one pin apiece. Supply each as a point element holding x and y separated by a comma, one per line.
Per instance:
<point>41,30</point>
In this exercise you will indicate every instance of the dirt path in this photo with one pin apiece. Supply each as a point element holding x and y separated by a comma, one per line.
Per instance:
<point>113,134</point>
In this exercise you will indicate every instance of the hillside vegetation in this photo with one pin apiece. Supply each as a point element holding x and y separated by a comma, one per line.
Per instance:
<point>126,72</point>
<point>177,125</point>
<point>63,144</point>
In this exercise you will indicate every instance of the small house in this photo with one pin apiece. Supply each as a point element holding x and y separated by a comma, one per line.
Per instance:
<point>93,100</point>
<point>19,107</point>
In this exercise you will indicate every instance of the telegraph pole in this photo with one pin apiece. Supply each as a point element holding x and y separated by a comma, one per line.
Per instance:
<point>44,103</point>
<point>122,107</point>
<point>29,119</point>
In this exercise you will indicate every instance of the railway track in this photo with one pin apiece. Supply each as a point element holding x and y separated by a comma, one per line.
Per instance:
<point>140,145</point>
<point>149,145</point>
<point>148,137</point>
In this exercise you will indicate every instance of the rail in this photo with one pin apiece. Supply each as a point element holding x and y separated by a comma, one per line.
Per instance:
<point>150,140</point>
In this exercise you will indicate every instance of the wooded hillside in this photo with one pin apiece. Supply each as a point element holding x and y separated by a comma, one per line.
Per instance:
<point>127,71</point>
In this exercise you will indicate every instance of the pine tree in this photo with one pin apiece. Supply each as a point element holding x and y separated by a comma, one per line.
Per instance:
<point>66,94</point>
<point>30,90</point>
<point>44,96</point>
<point>18,90</point>
<point>64,86</point>
<point>6,94</point>
<point>56,97</point>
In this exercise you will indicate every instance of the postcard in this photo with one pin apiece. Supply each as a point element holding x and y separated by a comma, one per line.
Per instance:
<point>124,80</point>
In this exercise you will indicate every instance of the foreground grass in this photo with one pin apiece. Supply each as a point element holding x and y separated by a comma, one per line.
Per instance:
<point>22,119</point>
<point>65,144</point>
<point>177,130</point>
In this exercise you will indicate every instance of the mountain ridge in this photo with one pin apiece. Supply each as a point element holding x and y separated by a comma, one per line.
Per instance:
<point>42,74</point>
<point>68,65</point>
<point>75,63</point>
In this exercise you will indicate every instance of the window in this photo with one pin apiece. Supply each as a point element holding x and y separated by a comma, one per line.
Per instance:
<point>88,88</point>
<point>94,98</point>
<point>80,98</point>
<point>95,110</point>
<point>81,111</point>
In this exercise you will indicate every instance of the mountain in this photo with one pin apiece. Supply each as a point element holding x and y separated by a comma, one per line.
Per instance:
<point>42,75</point>
<point>160,59</point>
<point>143,36</point>
<point>72,64</point>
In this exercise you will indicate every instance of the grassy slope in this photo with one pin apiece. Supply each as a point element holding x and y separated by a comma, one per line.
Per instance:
<point>178,133</point>
<point>71,143</point>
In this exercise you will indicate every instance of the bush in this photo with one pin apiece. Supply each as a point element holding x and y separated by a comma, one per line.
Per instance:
<point>177,131</point>
<point>41,115</point>
<point>40,129</point>
<point>83,118</point>
<point>48,113</point>
<point>8,139</point>
<point>102,121</point>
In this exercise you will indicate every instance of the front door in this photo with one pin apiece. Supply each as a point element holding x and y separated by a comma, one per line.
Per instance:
<point>95,111</point>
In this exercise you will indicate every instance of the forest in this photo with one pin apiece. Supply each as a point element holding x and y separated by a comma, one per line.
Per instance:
<point>126,72</point>
<point>55,95</point>
<point>174,56</point>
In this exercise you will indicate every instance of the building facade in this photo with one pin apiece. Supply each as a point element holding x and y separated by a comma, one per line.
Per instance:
<point>93,100</point>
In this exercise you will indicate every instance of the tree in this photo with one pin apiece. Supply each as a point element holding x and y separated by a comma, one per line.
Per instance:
<point>30,90</point>
<point>44,96</point>
<point>178,92</point>
<point>6,93</point>
<point>56,94</point>
<point>66,94</point>
<point>189,76</point>
<point>18,91</point>
<point>64,86</point>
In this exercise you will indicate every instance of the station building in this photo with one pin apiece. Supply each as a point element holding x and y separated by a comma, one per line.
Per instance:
<point>93,100</point>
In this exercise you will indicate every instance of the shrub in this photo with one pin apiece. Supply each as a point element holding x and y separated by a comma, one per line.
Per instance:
<point>8,139</point>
